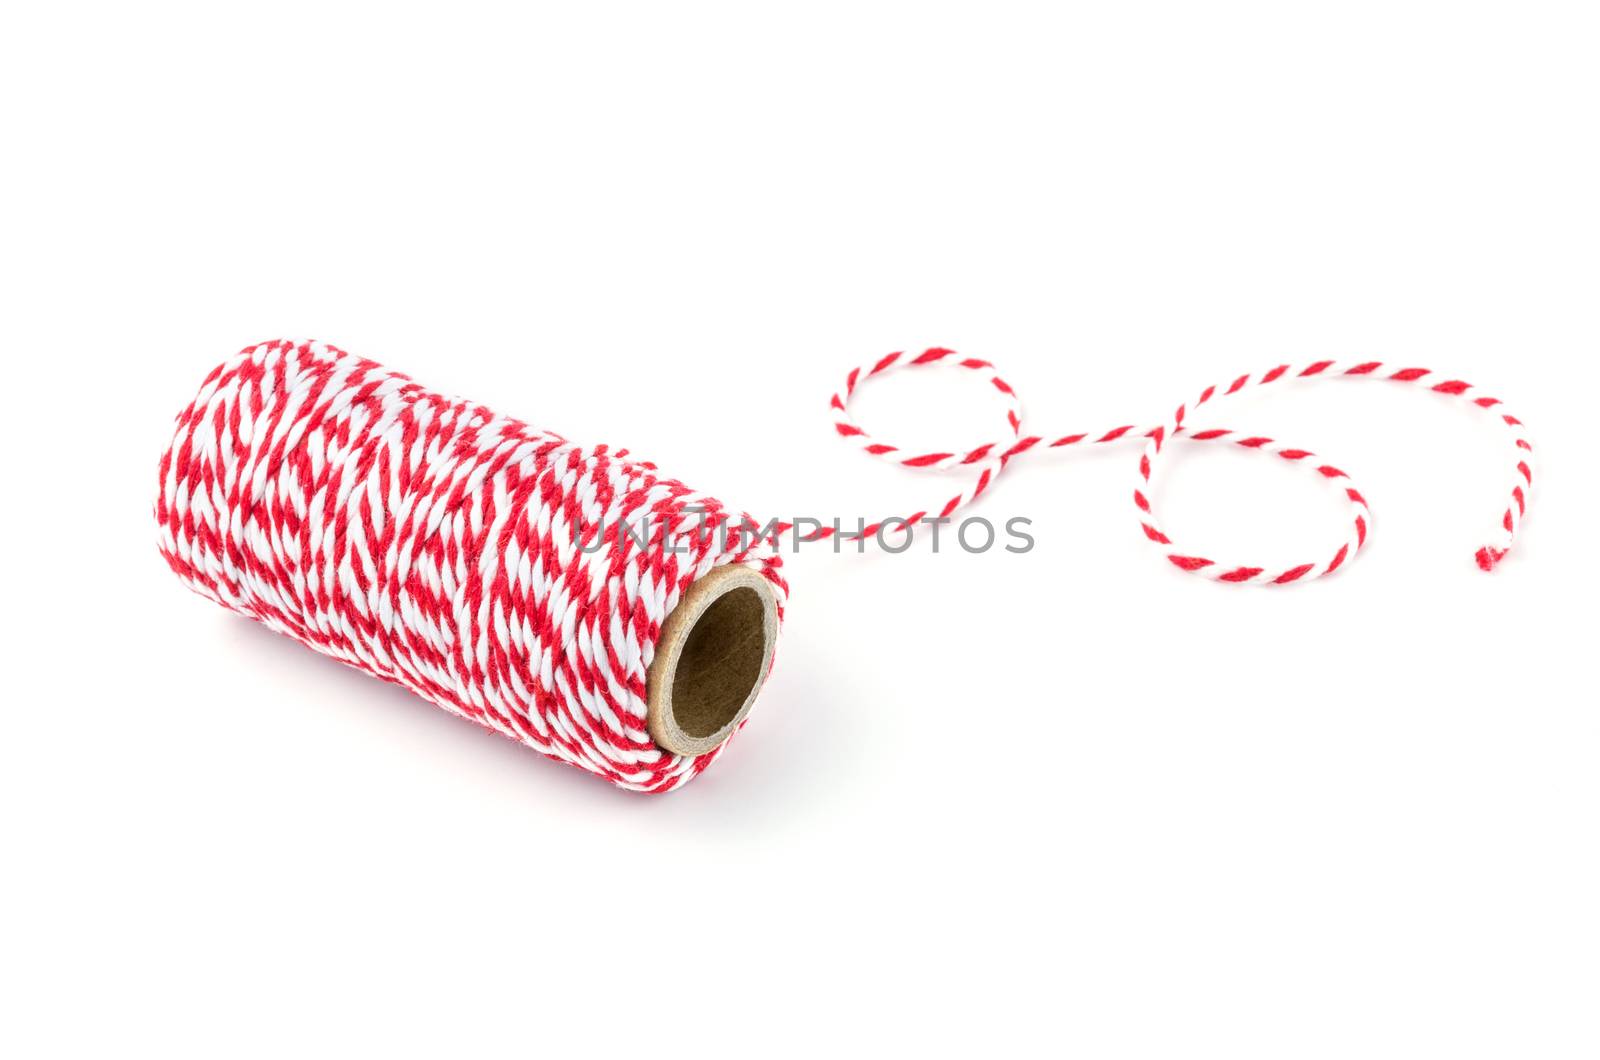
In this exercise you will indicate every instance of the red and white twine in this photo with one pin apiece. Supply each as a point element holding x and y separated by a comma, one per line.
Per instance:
<point>991,458</point>
<point>434,543</point>
<point>484,563</point>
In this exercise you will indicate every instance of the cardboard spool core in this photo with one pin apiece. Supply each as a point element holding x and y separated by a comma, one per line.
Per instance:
<point>713,657</point>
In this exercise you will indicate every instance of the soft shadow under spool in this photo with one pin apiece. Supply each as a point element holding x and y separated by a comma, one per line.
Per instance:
<point>713,657</point>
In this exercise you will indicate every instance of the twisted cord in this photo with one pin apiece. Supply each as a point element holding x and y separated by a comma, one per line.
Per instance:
<point>491,567</point>
<point>991,458</point>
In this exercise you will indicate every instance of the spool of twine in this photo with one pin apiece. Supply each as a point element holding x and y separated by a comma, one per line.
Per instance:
<point>570,598</point>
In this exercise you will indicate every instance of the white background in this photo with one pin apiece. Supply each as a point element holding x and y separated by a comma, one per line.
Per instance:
<point>1068,801</point>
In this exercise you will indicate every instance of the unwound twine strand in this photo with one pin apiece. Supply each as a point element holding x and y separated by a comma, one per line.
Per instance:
<point>489,566</point>
<point>991,458</point>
